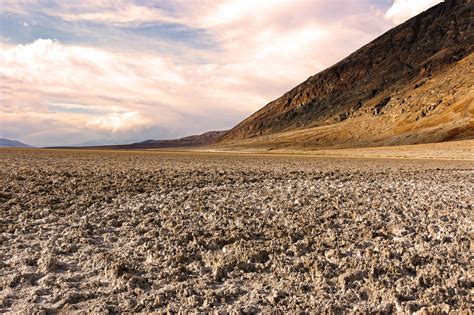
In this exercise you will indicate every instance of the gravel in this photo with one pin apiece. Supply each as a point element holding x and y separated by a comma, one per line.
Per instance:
<point>140,232</point>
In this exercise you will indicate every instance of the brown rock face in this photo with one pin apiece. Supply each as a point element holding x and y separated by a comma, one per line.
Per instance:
<point>412,84</point>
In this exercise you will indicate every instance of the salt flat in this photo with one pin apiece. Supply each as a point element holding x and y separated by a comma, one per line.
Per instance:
<point>108,231</point>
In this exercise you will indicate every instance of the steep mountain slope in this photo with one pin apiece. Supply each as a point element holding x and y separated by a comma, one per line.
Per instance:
<point>413,84</point>
<point>12,143</point>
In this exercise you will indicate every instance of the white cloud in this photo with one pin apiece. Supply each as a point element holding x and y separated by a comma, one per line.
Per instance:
<point>402,10</point>
<point>263,49</point>
<point>115,122</point>
<point>125,13</point>
<point>110,91</point>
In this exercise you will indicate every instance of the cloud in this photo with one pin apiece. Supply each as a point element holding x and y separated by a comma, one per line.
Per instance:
<point>119,12</point>
<point>402,10</point>
<point>118,122</point>
<point>257,50</point>
<point>97,91</point>
<point>122,13</point>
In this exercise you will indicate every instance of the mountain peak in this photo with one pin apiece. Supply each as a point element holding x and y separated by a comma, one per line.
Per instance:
<point>411,85</point>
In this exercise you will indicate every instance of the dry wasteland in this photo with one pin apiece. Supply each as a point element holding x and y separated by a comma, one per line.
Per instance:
<point>351,193</point>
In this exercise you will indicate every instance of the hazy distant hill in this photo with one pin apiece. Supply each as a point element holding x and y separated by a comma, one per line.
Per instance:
<point>12,143</point>
<point>97,142</point>
<point>189,141</point>
<point>413,84</point>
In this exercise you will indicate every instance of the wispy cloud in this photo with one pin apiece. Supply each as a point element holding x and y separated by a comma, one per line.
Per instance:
<point>113,91</point>
<point>115,122</point>
<point>100,68</point>
<point>402,10</point>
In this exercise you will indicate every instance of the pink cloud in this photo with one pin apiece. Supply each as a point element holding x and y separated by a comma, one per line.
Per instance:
<point>402,10</point>
<point>265,48</point>
<point>118,121</point>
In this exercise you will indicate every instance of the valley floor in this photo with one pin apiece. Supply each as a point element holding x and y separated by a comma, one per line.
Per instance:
<point>452,150</point>
<point>114,231</point>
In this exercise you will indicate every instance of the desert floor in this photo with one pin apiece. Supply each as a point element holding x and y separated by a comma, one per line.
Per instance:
<point>107,231</point>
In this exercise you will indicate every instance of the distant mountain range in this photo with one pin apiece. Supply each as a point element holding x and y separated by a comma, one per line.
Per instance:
<point>13,143</point>
<point>189,141</point>
<point>413,84</point>
<point>97,142</point>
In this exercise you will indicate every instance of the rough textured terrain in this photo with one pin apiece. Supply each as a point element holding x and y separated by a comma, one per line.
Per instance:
<point>413,84</point>
<point>128,231</point>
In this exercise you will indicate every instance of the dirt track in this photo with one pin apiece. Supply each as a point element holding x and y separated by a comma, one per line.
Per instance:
<point>140,232</point>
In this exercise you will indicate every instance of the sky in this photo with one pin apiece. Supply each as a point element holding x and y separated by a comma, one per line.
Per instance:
<point>121,71</point>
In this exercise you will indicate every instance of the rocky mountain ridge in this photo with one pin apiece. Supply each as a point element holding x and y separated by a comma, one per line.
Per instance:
<point>419,69</point>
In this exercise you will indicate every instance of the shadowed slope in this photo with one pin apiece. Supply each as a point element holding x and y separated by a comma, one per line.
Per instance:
<point>411,85</point>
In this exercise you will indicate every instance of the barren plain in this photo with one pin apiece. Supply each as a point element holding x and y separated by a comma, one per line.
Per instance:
<point>114,231</point>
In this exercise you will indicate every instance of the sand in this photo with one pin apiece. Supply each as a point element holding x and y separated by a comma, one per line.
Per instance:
<point>112,232</point>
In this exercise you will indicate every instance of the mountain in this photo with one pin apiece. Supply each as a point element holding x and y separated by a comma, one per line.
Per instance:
<point>413,84</point>
<point>12,143</point>
<point>105,142</point>
<point>189,141</point>
<point>96,142</point>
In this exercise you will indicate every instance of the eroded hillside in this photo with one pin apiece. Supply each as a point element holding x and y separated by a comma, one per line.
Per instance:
<point>411,85</point>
